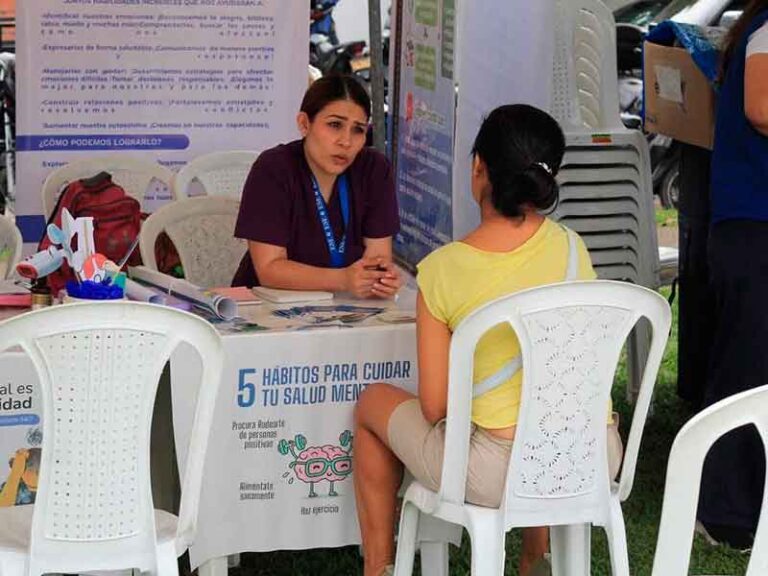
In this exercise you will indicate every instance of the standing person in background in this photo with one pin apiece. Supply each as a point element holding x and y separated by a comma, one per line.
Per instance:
<point>321,19</point>
<point>319,213</point>
<point>734,472</point>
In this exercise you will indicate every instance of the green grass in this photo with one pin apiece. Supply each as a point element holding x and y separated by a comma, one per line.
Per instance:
<point>666,217</point>
<point>641,511</point>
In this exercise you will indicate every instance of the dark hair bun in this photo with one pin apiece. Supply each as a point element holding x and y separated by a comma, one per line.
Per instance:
<point>534,186</point>
<point>522,148</point>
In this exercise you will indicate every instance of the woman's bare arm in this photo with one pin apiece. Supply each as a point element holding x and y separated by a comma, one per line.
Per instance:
<point>756,92</point>
<point>434,342</point>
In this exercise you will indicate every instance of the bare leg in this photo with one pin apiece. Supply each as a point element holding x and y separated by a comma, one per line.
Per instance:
<point>377,474</point>
<point>535,544</point>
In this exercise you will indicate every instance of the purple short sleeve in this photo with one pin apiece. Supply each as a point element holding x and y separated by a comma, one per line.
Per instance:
<point>381,218</point>
<point>266,203</point>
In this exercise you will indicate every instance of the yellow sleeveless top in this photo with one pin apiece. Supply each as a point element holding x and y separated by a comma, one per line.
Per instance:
<point>457,278</point>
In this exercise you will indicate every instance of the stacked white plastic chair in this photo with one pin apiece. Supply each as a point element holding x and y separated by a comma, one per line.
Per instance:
<point>219,173</point>
<point>570,335</point>
<point>585,78</point>
<point>606,188</point>
<point>98,367</point>
<point>203,231</point>
<point>606,196</point>
<point>681,491</point>
<point>10,246</point>
<point>138,177</point>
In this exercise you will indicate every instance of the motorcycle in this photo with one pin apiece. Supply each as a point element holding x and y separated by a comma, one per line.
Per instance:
<point>665,162</point>
<point>665,152</point>
<point>326,53</point>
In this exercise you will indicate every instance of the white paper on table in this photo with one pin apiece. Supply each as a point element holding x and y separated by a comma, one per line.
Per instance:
<point>11,287</point>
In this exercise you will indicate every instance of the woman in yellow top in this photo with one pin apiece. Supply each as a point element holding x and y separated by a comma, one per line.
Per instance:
<point>517,154</point>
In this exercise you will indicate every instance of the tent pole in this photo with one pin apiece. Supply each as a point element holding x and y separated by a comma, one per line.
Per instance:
<point>377,74</point>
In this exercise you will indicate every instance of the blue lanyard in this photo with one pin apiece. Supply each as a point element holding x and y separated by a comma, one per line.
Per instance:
<point>336,251</point>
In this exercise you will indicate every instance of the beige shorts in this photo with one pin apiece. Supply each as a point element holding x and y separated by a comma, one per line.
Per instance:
<point>419,446</point>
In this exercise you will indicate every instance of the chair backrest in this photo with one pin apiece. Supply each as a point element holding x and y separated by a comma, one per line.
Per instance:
<point>98,366</point>
<point>681,492</point>
<point>203,231</point>
<point>585,80</point>
<point>10,246</point>
<point>219,173</point>
<point>570,335</point>
<point>134,174</point>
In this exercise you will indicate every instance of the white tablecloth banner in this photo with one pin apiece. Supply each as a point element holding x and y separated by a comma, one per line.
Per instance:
<point>277,474</point>
<point>21,422</point>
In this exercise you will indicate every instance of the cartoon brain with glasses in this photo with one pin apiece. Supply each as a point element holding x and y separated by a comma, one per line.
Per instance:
<point>315,464</point>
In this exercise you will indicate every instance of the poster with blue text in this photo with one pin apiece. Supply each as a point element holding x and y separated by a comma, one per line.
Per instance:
<point>163,80</point>
<point>426,127</point>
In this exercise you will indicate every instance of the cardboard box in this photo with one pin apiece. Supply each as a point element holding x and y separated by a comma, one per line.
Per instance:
<point>679,101</point>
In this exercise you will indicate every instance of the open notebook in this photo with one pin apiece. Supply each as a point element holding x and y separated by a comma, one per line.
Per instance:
<point>278,296</point>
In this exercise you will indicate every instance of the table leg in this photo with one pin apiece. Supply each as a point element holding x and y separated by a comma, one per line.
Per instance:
<point>214,567</point>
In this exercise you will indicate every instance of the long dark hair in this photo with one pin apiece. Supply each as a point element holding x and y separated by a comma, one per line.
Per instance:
<point>522,148</point>
<point>738,31</point>
<point>332,88</point>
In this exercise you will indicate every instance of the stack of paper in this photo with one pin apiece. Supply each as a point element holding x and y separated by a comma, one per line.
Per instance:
<point>279,296</point>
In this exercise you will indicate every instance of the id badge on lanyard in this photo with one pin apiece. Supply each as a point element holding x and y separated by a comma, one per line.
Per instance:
<point>335,250</point>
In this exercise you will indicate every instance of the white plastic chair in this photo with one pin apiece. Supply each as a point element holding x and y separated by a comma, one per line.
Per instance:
<point>203,231</point>
<point>98,367</point>
<point>606,189</point>
<point>135,175</point>
<point>219,173</point>
<point>10,239</point>
<point>571,335</point>
<point>681,492</point>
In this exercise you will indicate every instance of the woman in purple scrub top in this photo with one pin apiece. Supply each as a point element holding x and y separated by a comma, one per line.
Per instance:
<point>319,213</point>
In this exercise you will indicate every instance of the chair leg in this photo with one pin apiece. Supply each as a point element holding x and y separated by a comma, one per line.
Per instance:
<point>12,565</point>
<point>617,542</point>
<point>434,558</point>
<point>571,549</point>
<point>214,567</point>
<point>167,562</point>
<point>488,548</point>
<point>406,539</point>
